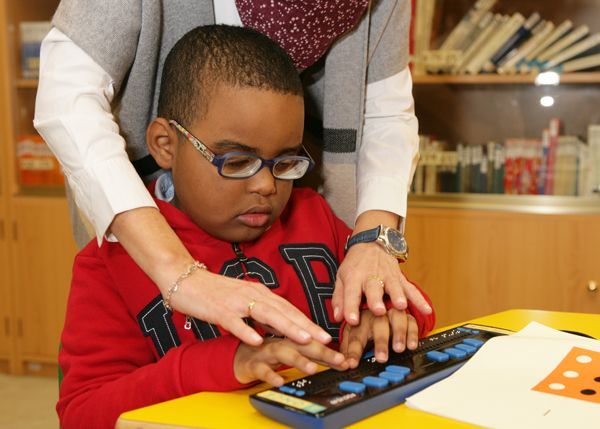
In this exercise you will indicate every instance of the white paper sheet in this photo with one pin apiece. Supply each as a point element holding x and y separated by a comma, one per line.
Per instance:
<point>494,388</point>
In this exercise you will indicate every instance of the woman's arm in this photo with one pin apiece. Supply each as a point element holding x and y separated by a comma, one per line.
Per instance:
<point>386,164</point>
<point>73,114</point>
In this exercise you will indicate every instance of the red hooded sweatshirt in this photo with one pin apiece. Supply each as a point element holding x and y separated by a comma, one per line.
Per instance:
<point>121,349</point>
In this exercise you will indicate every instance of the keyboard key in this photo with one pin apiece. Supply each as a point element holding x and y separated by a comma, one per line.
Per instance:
<point>300,393</point>
<point>473,342</point>
<point>467,348</point>
<point>398,369</point>
<point>287,389</point>
<point>455,353</point>
<point>474,331</point>
<point>463,330</point>
<point>437,356</point>
<point>352,387</point>
<point>375,382</point>
<point>368,354</point>
<point>394,377</point>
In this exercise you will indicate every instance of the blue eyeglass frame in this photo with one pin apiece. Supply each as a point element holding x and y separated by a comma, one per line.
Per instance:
<point>219,160</point>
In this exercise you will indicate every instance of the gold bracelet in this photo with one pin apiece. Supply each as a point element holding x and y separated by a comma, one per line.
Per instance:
<point>167,301</point>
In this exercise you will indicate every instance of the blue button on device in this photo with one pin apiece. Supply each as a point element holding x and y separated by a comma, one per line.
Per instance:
<point>467,348</point>
<point>398,369</point>
<point>455,353</point>
<point>392,376</point>
<point>437,356</point>
<point>473,342</point>
<point>287,389</point>
<point>375,382</point>
<point>352,387</point>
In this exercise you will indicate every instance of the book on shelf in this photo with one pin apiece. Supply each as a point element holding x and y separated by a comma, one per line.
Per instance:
<point>510,62</point>
<point>553,133</point>
<point>580,63</point>
<point>490,26</point>
<point>36,164</point>
<point>594,159</point>
<point>563,43</point>
<point>553,164</point>
<point>31,34</point>
<point>586,45</point>
<point>467,24</point>
<point>506,29</point>
<point>514,41</point>
<point>423,27</point>
<point>556,34</point>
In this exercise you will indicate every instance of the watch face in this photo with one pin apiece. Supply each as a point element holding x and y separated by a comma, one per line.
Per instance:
<point>397,241</point>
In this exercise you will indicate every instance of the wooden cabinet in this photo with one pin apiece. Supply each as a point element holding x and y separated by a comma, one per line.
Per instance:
<point>36,245</point>
<point>476,262</point>
<point>43,259</point>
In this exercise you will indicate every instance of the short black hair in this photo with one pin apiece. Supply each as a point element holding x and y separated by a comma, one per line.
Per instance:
<point>220,54</point>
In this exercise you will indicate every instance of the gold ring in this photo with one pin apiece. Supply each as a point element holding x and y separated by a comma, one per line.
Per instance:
<point>379,280</point>
<point>250,307</point>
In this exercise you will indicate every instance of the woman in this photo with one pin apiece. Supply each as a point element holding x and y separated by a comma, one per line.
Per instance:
<point>105,58</point>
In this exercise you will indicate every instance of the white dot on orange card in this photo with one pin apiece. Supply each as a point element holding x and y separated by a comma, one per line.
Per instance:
<point>556,386</point>
<point>571,374</point>
<point>583,359</point>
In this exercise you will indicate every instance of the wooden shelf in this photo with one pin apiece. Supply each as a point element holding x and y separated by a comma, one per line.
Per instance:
<point>486,79</point>
<point>27,83</point>
<point>533,204</point>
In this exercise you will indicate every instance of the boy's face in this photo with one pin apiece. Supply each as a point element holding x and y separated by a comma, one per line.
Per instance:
<point>262,122</point>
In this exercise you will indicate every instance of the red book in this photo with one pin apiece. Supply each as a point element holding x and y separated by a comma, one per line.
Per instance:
<point>551,158</point>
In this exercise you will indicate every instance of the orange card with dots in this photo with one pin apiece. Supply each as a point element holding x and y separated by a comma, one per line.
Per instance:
<point>577,376</point>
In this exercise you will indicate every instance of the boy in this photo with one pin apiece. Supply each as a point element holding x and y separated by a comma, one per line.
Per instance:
<point>231,98</point>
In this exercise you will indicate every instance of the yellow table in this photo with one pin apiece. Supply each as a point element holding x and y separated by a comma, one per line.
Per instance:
<point>233,409</point>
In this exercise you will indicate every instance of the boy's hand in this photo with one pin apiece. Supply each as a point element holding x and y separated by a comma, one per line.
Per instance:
<point>259,363</point>
<point>405,333</point>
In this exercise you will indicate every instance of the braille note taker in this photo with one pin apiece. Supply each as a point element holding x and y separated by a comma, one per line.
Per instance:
<point>536,378</point>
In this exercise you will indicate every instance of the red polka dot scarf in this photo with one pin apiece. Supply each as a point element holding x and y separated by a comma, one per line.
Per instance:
<point>304,28</point>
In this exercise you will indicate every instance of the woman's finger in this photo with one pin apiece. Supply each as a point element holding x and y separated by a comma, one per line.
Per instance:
<point>337,300</point>
<point>270,309</point>
<point>374,288</point>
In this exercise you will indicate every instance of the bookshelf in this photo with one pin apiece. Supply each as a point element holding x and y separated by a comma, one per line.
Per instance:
<point>494,79</point>
<point>478,253</point>
<point>36,245</point>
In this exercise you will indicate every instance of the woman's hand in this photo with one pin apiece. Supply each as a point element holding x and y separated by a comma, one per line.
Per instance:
<point>369,269</point>
<point>405,334</point>
<point>150,241</point>
<point>225,301</point>
<point>260,363</point>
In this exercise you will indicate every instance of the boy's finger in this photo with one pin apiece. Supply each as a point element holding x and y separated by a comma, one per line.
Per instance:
<point>264,372</point>
<point>357,341</point>
<point>287,354</point>
<point>381,336</point>
<point>323,355</point>
<point>398,322</point>
<point>344,343</point>
<point>412,337</point>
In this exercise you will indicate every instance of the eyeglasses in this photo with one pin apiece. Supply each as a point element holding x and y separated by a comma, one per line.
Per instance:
<point>241,165</point>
